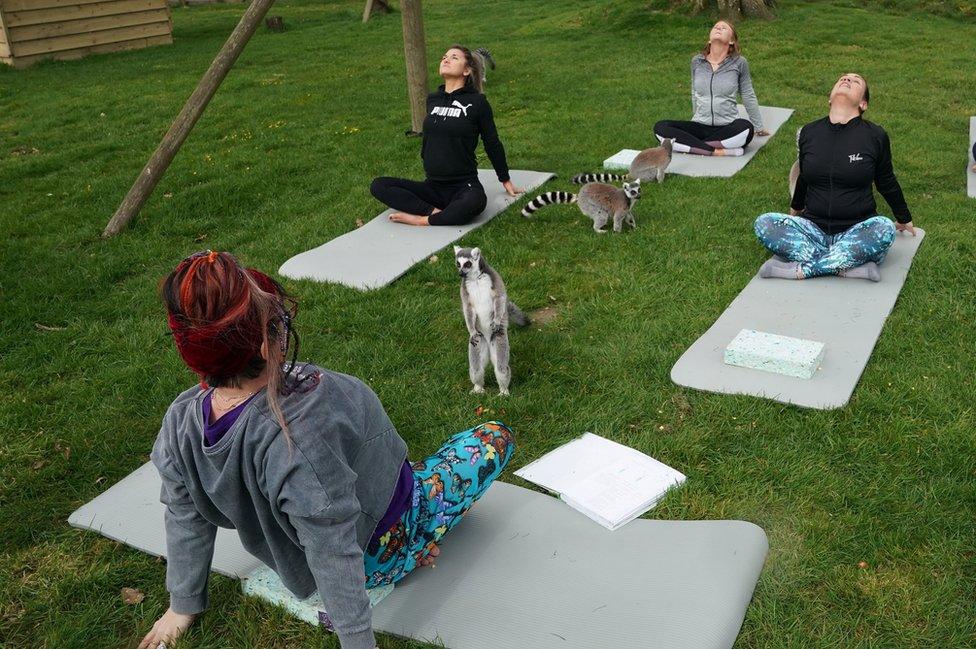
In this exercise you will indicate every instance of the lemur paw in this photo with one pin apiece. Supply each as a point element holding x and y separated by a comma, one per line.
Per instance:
<point>475,340</point>
<point>503,393</point>
<point>478,389</point>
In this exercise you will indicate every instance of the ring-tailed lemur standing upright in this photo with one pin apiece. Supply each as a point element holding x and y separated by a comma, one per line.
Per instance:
<point>487,311</point>
<point>599,201</point>
<point>649,164</point>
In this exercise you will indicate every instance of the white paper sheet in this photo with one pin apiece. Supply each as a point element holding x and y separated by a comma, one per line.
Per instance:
<point>609,482</point>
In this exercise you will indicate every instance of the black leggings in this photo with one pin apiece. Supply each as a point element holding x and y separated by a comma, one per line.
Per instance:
<point>698,136</point>
<point>459,202</point>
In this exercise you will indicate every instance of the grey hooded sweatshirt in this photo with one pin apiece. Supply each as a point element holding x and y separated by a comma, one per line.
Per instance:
<point>713,94</point>
<point>307,511</point>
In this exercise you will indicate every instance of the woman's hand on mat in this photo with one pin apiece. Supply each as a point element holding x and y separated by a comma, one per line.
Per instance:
<point>431,559</point>
<point>511,189</point>
<point>763,132</point>
<point>905,227</point>
<point>167,629</point>
<point>409,219</point>
<point>795,212</point>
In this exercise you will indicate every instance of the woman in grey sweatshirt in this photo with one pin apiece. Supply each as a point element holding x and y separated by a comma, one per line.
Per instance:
<point>718,74</point>
<point>302,462</point>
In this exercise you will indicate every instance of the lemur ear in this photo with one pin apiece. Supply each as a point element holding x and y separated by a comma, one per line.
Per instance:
<point>457,249</point>
<point>476,253</point>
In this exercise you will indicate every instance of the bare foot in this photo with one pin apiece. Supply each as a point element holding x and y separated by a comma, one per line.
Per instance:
<point>974,168</point>
<point>167,629</point>
<point>409,219</point>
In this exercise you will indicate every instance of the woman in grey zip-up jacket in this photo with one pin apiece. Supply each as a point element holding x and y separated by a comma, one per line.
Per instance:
<point>719,73</point>
<point>303,463</point>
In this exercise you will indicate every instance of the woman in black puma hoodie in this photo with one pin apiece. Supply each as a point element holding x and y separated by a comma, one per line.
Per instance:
<point>457,114</point>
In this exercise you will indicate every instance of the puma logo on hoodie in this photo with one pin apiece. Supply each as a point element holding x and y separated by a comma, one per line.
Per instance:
<point>449,111</point>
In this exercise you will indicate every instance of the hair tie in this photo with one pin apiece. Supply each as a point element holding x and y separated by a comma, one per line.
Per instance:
<point>212,256</point>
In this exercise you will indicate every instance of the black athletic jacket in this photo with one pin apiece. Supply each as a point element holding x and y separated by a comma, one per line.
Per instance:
<point>451,129</point>
<point>838,163</point>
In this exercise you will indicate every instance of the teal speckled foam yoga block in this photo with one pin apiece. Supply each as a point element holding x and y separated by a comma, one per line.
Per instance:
<point>265,584</point>
<point>773,353</point>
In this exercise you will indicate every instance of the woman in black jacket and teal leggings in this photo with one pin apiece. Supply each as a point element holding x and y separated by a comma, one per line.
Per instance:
<point>833,227</point>
<point>457,114</point>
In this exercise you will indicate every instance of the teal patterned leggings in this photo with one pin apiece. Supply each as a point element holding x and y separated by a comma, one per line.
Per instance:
<point>445,486</point>
<point>798,239</point>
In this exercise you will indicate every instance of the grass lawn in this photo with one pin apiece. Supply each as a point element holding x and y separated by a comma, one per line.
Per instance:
<point>281,162</point>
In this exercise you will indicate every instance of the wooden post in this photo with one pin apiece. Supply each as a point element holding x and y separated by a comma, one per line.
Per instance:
<point>372,5</point>
<point>415,51</point>
<point>184,122</point>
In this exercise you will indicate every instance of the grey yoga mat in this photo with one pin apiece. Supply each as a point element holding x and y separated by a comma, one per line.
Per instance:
<point>970,174</point>
<point>525,570</point>
<point>381,251</point>
<point>847,315</point>
<point>702,166</point>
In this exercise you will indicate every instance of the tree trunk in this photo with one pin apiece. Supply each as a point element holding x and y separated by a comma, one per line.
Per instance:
<point>734,10</point>
<point>415,52</point>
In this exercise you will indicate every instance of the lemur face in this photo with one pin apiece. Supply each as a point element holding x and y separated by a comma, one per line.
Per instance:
<point>467,260</point>
<point>632,190</point>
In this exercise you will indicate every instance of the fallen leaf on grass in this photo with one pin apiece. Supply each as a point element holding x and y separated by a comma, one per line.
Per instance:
<point>100,480</point>
<point>200,237</point>
<point>24,150</point>
<point>862,564</point>
<point>359,223</point>
<point>37,466</point>
<point>132,595</point>
<point>432,259</point>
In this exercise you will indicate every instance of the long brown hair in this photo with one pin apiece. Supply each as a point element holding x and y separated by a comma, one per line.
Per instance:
<point>473,61</point>
<point>734,48</point>
<point>222,315</point>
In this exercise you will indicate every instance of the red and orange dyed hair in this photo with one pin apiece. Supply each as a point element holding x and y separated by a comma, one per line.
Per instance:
<point>230,322</point>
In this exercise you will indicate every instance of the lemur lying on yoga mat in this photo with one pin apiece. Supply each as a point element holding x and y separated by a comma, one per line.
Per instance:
<point>487,311</point>
<point>599,201</point>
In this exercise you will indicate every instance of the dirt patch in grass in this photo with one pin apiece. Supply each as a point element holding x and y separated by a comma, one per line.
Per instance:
<point>542,317</point>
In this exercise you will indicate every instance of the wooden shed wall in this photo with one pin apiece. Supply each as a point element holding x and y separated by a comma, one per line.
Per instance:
<point>32,30</point>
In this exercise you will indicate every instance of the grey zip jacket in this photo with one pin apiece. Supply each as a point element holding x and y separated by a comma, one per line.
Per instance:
<point>307,511</point>
<point>713,94</point>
